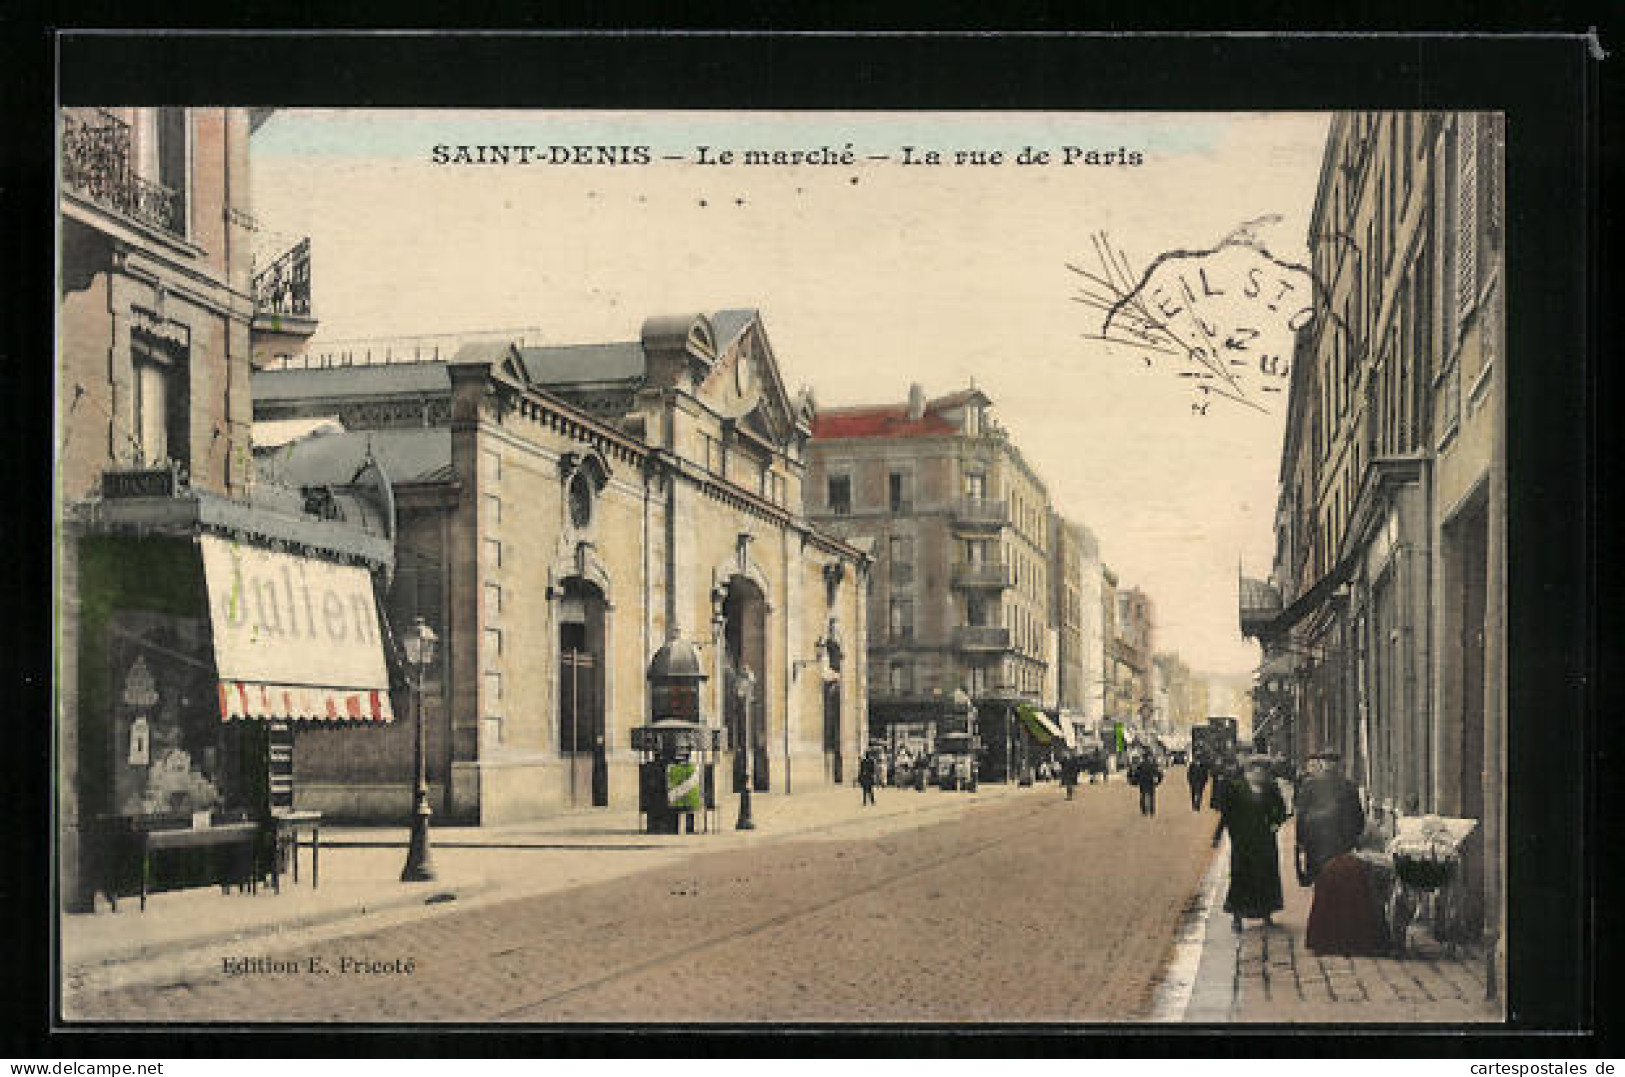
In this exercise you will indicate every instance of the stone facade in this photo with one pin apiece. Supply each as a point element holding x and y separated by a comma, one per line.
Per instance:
<point>159,312</point>
<point>959,525</point>
<point>1390,546</point>
<point>557,545</point>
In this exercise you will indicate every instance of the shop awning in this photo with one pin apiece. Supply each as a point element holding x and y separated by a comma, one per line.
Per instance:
<point>1038,724</point>
<point>294,638</point>
<point>247,699</point>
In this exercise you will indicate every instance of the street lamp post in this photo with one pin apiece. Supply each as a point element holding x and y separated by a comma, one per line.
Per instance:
<point>419,646</point>
<point>745,685</point>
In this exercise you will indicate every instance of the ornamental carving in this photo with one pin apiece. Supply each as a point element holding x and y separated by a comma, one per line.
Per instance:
<point>375,414</point>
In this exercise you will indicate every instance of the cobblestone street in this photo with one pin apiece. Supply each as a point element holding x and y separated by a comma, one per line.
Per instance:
<point>1031,909</point>
<point>1267,974</point>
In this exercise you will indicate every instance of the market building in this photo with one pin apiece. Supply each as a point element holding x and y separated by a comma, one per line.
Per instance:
<point>959,523</point>
<point>1383,621</point>
<point>565,512</point>
<point>202,616</point>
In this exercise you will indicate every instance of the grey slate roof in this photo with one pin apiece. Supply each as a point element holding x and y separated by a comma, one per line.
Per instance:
<point>346,381</point>
<point>581,363</point>
<point>728,324</point>
<point>408,455</point>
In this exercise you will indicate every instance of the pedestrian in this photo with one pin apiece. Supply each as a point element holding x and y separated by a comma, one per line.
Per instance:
<point>866,779</point>
<point>1069,776</point>
<point>1252,810</point>
<point>1330,818</point>
<point>1196,775</point>
<point>1224,772</point>
<point>1145,774</point>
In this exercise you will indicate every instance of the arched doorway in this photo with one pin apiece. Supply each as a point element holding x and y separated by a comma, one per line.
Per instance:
<point>744,613</point>
<point>581,694</point>
<point>832,730</point>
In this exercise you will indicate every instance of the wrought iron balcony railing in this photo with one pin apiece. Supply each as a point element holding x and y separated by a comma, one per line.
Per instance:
<point>980,512</point>
<point>283,287</point>
<point>984,574</point>
<point>96,163</point>
<point>981,638</point>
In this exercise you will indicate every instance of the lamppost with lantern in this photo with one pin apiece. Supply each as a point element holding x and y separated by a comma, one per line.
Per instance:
<point>745,685</point>
<point>419,646</point>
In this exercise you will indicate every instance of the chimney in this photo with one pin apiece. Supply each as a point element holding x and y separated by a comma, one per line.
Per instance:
<point>916,401</point>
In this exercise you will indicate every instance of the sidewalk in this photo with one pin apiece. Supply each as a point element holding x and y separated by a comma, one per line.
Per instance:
<point>360,883</point>
<point>1266,974</point>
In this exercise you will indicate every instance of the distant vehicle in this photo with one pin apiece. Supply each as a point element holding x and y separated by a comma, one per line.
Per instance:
<point>1216,739</point>
<point>956,766</point>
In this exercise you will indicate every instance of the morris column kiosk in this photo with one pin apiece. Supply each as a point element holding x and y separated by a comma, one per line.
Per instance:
<point>677,773</point>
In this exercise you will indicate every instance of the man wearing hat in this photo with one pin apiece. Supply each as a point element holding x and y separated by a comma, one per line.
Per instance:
<point>1330,817</point>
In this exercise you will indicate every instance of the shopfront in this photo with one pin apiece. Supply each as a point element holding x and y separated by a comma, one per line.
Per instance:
<point>201,651</point>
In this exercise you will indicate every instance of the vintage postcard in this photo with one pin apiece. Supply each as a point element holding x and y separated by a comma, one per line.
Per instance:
<point>761,568</point>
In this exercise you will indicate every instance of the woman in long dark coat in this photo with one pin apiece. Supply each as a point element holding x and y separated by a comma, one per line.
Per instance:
<point>1251,809</point>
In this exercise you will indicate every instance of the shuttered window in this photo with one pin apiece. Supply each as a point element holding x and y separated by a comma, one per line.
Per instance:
<point>1466,218</point>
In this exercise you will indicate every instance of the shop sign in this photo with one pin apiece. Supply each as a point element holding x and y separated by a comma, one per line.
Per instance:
<point>149,482</point>
<point>288,620</point>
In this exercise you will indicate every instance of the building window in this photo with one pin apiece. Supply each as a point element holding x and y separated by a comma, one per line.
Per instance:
<point>493,603</point>
<point>902,679</point>
<point>151,410</point>
<point>899,492</point>
<point>580,495</point>
<point>840,495</point>
<point>161,151</point>
<point>162,409</point>
<point>976,680</point>
<point>901,620</point>
<point>975,485</point>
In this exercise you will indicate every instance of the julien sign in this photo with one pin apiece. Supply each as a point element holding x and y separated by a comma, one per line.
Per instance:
<point>287,620</point>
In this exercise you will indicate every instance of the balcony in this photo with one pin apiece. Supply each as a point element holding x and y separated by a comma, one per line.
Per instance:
<point>981,638</point>
<point>282,293</point>
<point>283,287</point>
<point>96,165</point>
<point>980,514</point>
<point>993,574</point>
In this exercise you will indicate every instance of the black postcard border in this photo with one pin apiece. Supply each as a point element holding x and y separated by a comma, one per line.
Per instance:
<point>1547,84</point>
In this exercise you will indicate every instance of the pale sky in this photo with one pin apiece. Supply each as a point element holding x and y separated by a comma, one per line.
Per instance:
<point>936,274</point>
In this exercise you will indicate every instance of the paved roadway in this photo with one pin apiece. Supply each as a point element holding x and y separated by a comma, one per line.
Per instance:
<point>1030,909</point>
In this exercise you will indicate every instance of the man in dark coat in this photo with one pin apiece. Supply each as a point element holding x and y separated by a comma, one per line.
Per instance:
<point>866,778</point>
<point>1251,809</point>
<point>1223,772</point>
<point>1069,774</point>
<point>1146,775</point>
<point>1196,775</point>
<point>1330,818</point>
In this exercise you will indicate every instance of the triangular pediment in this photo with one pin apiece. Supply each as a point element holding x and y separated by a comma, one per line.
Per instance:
<point>755,396</point>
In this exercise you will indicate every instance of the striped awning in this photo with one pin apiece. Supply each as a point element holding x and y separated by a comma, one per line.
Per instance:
<point>1038,724</point>
<point>295,638</point>
<point>246,699</point>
